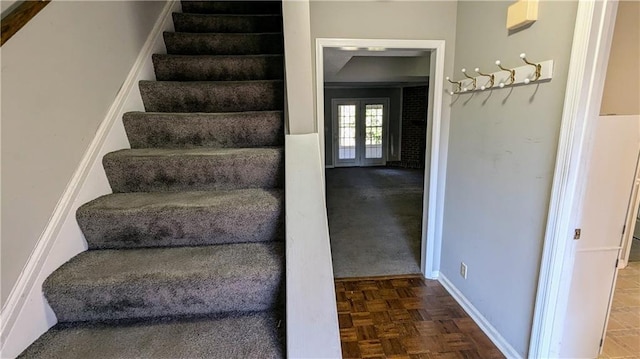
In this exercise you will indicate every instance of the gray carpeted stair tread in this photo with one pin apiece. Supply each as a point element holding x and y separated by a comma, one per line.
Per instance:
<point>227,23</point>
<point>186,43</point>
<point>216,130</point>
<point>194,169</point>
<point>186,258</point>
<point>130,220</point>
<point>116,284</point>
<point>242,335</point>
<point>232,7</point>
<point>218,67</point>
<point>210,96</point>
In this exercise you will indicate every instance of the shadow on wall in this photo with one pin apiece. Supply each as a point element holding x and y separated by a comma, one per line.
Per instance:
<point>414,128</point>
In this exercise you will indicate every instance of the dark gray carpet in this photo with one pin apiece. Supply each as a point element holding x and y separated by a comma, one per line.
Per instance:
<point>159,282</point>
<point>375,217</point>
<point>232,7</point>
<point>191,43</point>
<point>186,257</point>
<point>244,335</point>
<point>217,68</point>
<point>206,96</point>
<point>159,219</point>
<point>216,130</point>
<point>194,169</point>
<point>226,23</point>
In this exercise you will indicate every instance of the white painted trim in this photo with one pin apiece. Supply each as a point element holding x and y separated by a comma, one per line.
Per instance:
<point>587,68</point>
<point>26,315</point>
<point>433,209</point>
<point>312,320</point>
<point>433,206</point>
<point>493,334</point>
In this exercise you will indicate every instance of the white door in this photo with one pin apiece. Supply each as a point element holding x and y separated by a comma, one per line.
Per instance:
<point>610,182</point>
<point>359,132</point>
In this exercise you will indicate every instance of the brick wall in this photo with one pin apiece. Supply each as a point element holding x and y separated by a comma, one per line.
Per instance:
<point>414,127</point>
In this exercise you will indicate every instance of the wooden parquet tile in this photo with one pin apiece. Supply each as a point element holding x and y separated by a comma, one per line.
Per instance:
<point>406,318</point>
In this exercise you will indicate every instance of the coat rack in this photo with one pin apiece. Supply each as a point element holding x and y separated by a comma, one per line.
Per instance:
<point>527,74</point>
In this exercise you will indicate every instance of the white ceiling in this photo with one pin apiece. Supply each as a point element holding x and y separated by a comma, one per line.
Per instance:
<point>384,66</point>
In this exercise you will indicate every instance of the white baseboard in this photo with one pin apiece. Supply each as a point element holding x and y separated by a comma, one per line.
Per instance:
<point>26,314</point>
<point>482,322</point>
<point>433,275</point>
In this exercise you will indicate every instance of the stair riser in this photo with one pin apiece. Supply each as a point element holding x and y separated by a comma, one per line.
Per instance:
<point>167,131</point>
<point>180,226</point>
<point>194,173</point>
<point>204,68</point>
<point>232,7</point>
<point>233,24</point>
<point>212,97</point>
<point>148,298</point>
<point>223,44</point>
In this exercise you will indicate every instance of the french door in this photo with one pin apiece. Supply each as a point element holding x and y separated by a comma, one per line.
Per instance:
<point>359,132</point>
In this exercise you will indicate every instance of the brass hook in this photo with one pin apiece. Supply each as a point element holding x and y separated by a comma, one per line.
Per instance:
<point>457,83</point>
<point>512,74</point>
<point>538,68</point>
<point>474,82</point>
<point>492,79</point>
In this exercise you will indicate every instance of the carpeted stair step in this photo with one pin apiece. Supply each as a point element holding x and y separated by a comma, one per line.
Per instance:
<point>232,7</point>
<point>239,335</point>
<point>198,169</point>
<point>186,43</point>
<point>218,68</point>
<point>219,130</point>
<point>159,282</point>
<point>156,219</point>
<point>206,96</point>
<point>227,23</point>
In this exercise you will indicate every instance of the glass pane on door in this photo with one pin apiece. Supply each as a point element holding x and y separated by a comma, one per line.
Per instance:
<point>346,132</point>
<point>373,130</point>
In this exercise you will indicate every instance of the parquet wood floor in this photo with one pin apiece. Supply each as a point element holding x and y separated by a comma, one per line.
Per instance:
<point>406,318</point>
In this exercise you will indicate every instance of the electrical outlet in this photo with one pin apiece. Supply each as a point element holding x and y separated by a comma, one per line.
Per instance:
<point>463,270</point>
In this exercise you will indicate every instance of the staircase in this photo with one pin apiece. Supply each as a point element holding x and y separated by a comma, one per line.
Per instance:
<point>186,257</point>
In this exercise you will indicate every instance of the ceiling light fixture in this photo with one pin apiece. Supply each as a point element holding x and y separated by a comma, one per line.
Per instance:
<point>349,48</point>
<point>376,48</point>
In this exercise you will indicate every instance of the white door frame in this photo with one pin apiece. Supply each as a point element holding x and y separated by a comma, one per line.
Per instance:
<point>631,220</point>
<point>432,210</point>
<point>335,126</point>
<point>587,70</point>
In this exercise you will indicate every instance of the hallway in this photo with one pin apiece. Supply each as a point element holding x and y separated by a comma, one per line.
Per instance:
<point>375,216</point>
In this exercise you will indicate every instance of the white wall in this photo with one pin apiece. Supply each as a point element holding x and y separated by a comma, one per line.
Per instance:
<point>622,84</point>
<point>379,69</point>
<point>298,67</point>
<point>502,148</point>
<point>60,75</point>
<point>415,20</point>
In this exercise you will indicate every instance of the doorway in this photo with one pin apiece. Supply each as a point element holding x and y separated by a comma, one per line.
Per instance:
<point>430,209</point>
<point>359,131</point>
